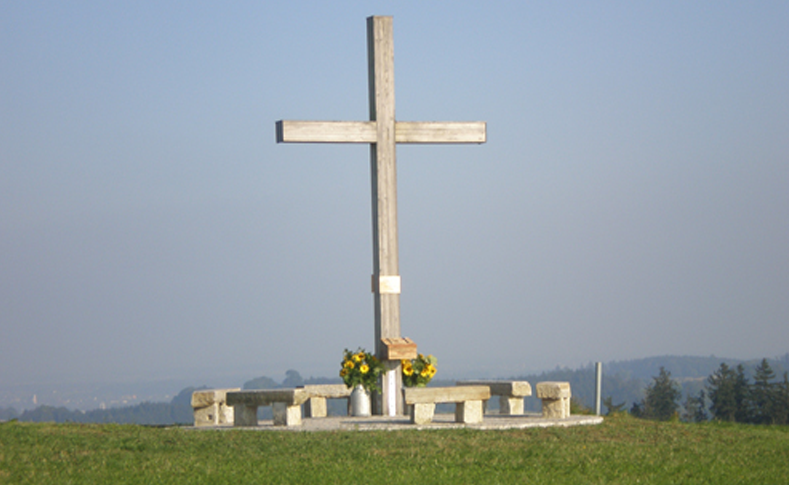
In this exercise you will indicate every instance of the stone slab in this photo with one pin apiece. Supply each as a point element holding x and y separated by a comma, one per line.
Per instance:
<point>553,390</point>
<point>266,397</point>
<point>329,391</point>
<point>403,423</point>
<point>415,395</point>
<point>502,388</point>
<point>207,397</point>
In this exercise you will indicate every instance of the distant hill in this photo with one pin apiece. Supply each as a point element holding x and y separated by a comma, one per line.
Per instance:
<point>625,381</point>
<point>177,411</point>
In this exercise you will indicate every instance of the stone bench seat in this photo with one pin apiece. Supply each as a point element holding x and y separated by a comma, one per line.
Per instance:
<point>468,402</point>
<point>210,407</point>
<point>555,398</point>
<point>315,406</point>
<point>285,404</point>
<point>511,394</point>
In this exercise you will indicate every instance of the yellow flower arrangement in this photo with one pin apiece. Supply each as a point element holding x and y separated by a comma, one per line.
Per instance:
<point>361,368</point>
<point>418,372</point>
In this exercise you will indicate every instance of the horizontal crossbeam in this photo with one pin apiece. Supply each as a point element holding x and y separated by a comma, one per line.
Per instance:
<point>365,132</point>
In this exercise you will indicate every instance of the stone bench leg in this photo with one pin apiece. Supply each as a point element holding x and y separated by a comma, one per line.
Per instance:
<point>210,407</point>
<point>226,414</point>
<point>285,415</point>
<point>315,407</point>
<point>469,412</point>
<point>207,416</point>
<point>556,408</point>
<point>422,413</point>
<point>215,414</point>
<point>245,415</point>
<point>511,405</point>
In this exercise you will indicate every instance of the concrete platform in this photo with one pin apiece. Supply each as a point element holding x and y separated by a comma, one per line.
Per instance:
<point>402,423</point>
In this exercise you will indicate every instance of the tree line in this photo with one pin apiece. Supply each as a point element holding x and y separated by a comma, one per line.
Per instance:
<point>177,411</point>
<point>728,395</point>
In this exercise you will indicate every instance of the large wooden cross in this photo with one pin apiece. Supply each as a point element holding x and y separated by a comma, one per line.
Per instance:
<point>382,132</point>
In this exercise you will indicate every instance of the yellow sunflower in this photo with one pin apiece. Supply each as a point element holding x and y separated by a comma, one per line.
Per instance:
<point>431,369</point>
<point>364,368</point>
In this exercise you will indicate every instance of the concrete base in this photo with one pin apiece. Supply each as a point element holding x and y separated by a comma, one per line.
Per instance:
<point>403,423</point>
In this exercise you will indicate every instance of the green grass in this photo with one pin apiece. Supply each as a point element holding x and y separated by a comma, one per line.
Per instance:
<point>622,450</point>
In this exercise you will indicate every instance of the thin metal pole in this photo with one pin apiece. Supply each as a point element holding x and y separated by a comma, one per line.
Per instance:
<point>598,387</point>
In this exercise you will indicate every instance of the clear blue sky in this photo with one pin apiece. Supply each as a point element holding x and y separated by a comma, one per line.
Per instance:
<point>632,199</point>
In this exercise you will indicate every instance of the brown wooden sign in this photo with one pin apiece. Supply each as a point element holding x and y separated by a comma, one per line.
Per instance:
<point>399,348</point>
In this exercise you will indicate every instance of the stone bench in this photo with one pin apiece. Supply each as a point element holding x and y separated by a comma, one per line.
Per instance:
<point>285,404</point>
<point>210,407</point>
<point>555,399</point>
<point>467,399</point>
<point>511,394</point>
<point>315,406</point>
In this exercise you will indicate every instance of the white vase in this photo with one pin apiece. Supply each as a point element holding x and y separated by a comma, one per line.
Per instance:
<point>360,401</point>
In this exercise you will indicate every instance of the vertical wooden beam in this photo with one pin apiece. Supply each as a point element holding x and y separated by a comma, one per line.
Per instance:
<point>380,57</point>
<point>382,132</point>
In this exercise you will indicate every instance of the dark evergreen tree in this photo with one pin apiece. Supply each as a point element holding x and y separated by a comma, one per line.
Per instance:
<point>637,410</point>
<point>763,395</point>
<point>611,407</point>
<point>662,396</point>
<point>728,393</point>
<point>720,388</point>
<point>743,413</point>
<point>696,408</point>
<point>781,409</point>
<point>53,414</point>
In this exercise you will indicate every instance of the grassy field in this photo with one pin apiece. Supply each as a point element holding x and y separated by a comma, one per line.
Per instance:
<point>622,450</point>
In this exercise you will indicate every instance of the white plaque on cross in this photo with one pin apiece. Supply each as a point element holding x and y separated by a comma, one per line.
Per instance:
<point>382,133</point>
